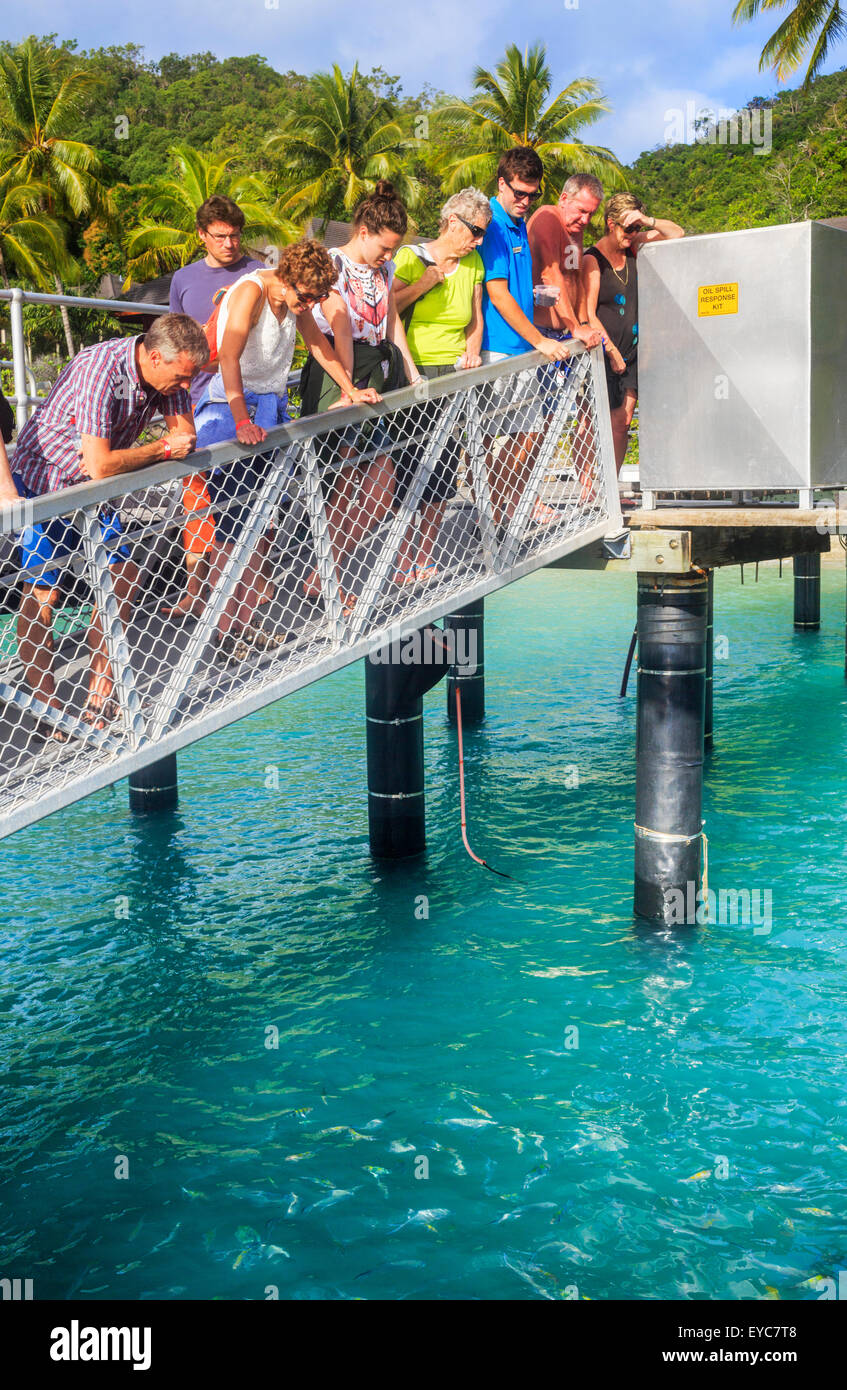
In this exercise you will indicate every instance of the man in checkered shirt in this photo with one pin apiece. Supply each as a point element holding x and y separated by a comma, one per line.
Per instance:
<point>87,428</point>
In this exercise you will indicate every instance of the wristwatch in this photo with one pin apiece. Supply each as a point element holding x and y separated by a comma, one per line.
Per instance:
<point>167,449</point>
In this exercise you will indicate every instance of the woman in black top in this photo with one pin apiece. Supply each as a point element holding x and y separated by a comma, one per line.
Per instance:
<point>610,288</point>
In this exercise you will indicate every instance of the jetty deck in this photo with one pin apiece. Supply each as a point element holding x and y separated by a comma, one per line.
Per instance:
<point>177,682</point>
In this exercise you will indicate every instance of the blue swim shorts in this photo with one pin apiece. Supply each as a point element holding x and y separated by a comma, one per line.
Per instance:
<point>56,539</point>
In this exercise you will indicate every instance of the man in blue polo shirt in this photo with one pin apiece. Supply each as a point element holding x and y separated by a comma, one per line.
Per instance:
<point>508,329</point>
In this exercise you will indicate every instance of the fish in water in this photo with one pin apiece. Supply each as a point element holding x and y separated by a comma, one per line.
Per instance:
<point>522,1211</point>
<point>535,1173</point>
<point>376,1173</point>
<point>391,1264</point>
<point>465,1123</point>
<point>336,1195</point>
<point>168,1239</point>
<point>523,1272</point>
<point>699,1177</point>
<point>426,1217</point>
<point>294,1205</point>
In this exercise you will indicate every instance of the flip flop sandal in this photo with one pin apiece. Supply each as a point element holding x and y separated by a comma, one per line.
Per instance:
<point>50,733</point>
<point>176,614</point>
<point>258,637</point>
<point>99,712</point>
<point>225,645</point>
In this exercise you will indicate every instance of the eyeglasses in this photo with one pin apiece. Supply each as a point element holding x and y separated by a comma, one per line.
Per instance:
<point>223,236</point>
<point>522,195</point>
<point>474,230</point>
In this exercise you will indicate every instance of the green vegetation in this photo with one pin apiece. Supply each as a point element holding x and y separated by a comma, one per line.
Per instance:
<point>815,24</point>
<point>105,157</point>
<point>511,108</point>
<point>722,187</point>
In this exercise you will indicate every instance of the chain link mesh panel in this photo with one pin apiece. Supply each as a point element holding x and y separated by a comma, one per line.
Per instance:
<point>337,537</point>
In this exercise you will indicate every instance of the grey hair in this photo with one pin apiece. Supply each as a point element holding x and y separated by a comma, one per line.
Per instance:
<point>172,334</point>
<point>577,182</point>
<point>470,203</point>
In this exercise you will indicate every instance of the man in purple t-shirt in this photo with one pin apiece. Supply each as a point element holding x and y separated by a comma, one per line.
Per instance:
<point>220,222</point>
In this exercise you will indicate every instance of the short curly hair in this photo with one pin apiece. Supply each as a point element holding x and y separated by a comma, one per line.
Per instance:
<point>307,265</point>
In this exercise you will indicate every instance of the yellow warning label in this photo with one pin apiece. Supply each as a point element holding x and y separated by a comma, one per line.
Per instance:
<point>717,299</point>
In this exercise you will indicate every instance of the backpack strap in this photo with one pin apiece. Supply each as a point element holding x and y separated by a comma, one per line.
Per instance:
<point>425,260</point>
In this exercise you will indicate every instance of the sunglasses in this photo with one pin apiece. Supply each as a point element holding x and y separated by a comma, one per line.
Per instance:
<point>474,230</point>
<point>308,301</point>
<point>522,194</point>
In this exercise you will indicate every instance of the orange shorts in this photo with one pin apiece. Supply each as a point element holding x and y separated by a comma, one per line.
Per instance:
<point>199,534</point>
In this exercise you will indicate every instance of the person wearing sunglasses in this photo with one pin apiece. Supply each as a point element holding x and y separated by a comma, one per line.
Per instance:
<point>512,403</point>
<point>258,321</point>
<point>438,287</point>
<point>193,289</point>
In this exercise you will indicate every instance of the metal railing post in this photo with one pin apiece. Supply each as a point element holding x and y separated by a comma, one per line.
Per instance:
<point>16,313</point>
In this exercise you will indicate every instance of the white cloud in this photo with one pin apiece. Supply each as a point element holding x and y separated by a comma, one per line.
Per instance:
<point>644,122</point>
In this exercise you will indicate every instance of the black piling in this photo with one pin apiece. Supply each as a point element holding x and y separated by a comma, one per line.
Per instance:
<point>155,787</point>
<point>807,592</point>
<point>467,626</point>
<point>396,679</point>
<point>669,746</point>
<point>708,739</point>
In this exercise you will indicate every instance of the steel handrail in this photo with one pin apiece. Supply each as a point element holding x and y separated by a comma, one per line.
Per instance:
<point>283,436</point>
<point>17,298</point>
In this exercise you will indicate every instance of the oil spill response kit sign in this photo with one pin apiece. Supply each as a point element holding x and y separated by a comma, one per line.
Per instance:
<point>717,299</point>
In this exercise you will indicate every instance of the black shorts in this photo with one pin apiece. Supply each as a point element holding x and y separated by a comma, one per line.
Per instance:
<point>419,421</point>
<point>618,384</point>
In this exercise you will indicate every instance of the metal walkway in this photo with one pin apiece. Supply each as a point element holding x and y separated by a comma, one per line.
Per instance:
<point>300,512</point>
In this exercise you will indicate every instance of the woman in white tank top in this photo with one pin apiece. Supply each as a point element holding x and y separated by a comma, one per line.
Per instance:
<point>258,320</point>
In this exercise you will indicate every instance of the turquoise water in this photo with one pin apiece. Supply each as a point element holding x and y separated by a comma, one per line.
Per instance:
<point>686,1141</point>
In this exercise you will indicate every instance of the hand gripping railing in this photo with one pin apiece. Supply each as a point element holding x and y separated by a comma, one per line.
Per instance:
<point>351,529</point>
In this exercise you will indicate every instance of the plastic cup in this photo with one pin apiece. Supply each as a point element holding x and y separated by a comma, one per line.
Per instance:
<point>545,296</point>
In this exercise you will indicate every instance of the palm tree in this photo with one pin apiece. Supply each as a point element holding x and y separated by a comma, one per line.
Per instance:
<point>338,143</point>
<point>511,107</point>
<point>40,104</point>
<point>166,236</point>
<point>32,244</point>
<point>785,49</point>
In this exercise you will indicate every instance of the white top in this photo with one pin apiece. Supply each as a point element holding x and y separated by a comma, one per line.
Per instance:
<point>267,355</point>
<point>365,290</point>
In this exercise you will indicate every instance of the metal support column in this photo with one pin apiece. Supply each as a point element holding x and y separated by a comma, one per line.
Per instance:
<point>396,679</point>
<point>807,592</point>
<point>468,671</point>
<point>669,746</point>
<point>155,787</point>
<point>16,315</point>
<point>708,740</point>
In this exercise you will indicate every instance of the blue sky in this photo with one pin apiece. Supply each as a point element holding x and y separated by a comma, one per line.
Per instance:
<point>649,56</point>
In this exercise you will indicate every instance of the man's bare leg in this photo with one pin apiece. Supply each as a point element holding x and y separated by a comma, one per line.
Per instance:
<point>193,600</point>
<point>337,506</point>
<point>100,708</point>
<point>507,476</point>
<point>35,641</point>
